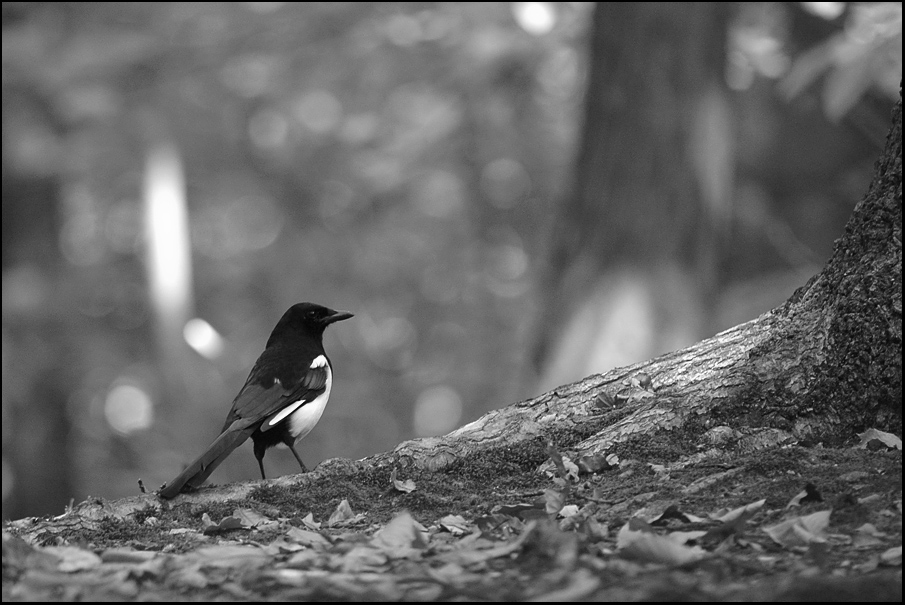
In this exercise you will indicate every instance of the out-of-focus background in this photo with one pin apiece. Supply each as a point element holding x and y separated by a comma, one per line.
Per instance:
<point>509,196</point>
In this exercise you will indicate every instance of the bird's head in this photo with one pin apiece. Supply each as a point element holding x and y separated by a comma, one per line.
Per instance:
<point>307,318</point>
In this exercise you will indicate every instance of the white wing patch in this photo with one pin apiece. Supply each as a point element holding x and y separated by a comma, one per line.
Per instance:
<point>318,362</point>
<point>304,415</point>
<point>285,412</point>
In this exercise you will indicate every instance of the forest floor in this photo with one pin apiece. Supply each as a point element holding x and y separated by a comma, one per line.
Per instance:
<point>787,523</point>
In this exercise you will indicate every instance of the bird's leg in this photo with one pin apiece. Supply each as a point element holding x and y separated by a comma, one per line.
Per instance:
<point>297,457</point>
<point>259,454</point>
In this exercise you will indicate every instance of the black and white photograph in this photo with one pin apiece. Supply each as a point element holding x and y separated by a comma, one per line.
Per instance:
<point>452,301</point>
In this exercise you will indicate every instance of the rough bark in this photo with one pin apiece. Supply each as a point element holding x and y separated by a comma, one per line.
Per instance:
<point>819,368</point>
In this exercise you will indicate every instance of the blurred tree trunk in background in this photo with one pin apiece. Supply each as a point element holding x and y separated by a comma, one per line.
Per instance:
<point>34,403</point>
<point>634,257</point>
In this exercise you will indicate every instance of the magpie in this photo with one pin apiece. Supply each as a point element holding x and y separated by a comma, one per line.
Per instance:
<point>283,397</point>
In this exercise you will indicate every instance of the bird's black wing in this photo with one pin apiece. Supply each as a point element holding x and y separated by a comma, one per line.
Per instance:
<point>270,403</point>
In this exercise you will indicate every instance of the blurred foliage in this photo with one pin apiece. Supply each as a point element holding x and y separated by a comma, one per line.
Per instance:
<point>393,160</point>
<point>865,54</point>
<point>399,160</point>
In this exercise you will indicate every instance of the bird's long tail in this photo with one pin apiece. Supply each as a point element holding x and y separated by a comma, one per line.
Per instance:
<point>198,471</point>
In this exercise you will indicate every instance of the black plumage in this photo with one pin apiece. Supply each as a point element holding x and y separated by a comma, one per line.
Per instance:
<point>282,399</point>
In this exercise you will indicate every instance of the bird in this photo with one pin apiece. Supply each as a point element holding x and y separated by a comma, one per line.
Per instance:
<point>283,397</point>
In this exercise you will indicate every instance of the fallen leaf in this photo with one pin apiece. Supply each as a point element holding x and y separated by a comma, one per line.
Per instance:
<point>226,524</point>
<point>475,556</point>
<point>672,512</point>
<point>362,558</point>
<point>870,437</point>
<point>746,511</point>
<point>867,536</point>
<point>310,523</point>
<point>306,537</point>
<point>800,531</point>
<point>892,557</point>
<point>565,468</point>
<point>251,518</point>
<point>652,548</point>
<point>605,401</point>
<point>454,524</point>
<point>72,558</point>
<point>594,529</point>
<point>568,511</point>
<point>870,530</point>
<point>805,496</point>
<point>554,501</point>
<point>401,533</point>
<point>405,487</point>
<point>342,513</point>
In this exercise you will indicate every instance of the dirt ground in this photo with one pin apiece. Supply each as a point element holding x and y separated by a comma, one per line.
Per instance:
<point>788,523</point>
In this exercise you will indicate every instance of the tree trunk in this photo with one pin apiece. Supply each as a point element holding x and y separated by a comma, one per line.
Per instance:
<point>633,258</point>
<point>819,368</point>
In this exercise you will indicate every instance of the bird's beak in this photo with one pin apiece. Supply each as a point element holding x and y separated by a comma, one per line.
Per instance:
<point>337,316</point>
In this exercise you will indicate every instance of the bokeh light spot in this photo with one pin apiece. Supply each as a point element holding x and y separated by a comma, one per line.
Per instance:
<point>319,111</point>
<point>244,224</point>
<point>536,18</point>
<point>128,408</point>
<point>825,10</point>
<point>505,182</point>
<point>439,193</point>
<point>389,342</point>
<point>250,75</point>
<point>359,128</point>
<point>438,410</point>
<point>403,30</point>
<point>202,337</point>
